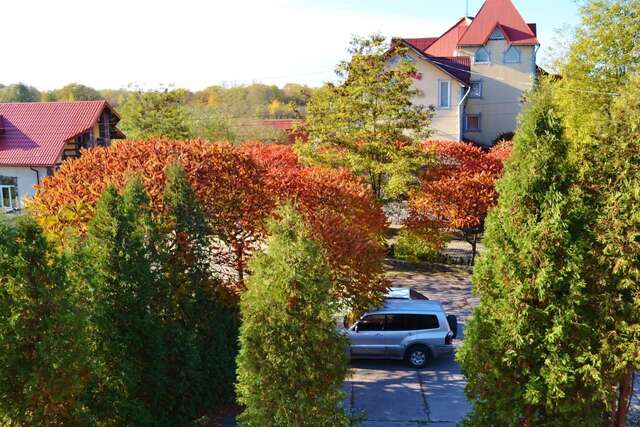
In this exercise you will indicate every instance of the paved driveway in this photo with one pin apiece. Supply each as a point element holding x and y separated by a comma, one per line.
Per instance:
<point>389,393</point>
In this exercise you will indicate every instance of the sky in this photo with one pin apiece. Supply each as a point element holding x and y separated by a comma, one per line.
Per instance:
<point>198,43</point>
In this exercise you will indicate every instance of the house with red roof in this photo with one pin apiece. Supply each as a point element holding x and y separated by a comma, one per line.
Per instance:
<point>36,137</point>
<point>476,72</point>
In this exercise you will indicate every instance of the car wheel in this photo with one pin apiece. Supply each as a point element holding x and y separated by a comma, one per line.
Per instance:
<point>418,356</point>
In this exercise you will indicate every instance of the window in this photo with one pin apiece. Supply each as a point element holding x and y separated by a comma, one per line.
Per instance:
<point>472,123</point>
<point>374,322</point>
<point>8,197</point>
<point>496,35</point>
<point>8,193</point>
<point>411,322</point>
<point>482,56</point>
<point>476,89</point>
<point>512,55</point>
<point>444,93</point>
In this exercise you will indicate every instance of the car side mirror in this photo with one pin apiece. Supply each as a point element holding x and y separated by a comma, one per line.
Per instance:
<point>355,328</point>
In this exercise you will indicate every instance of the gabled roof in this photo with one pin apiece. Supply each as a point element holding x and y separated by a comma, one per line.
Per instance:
<point>458,67</point>
<point>504,15</point>
<point>35,132</point>
<point>447,43</point>
<point>421,43</point>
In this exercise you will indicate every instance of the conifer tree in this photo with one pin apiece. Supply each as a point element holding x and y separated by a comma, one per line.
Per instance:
<point>531,350</point>
<point>44,352</point>
<point>292,360</point>
<point>201,332</point>
<point>131,356</point>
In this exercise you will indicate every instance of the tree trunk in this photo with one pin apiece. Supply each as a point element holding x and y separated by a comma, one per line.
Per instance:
<point>624,397</point>
<point>528,416</point>
<point>298,421</point>
<point>474,246</point>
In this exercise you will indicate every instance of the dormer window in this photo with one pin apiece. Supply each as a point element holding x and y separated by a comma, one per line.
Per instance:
<point>512,55</point>
<point>496,35</point>
<point>482,56</point>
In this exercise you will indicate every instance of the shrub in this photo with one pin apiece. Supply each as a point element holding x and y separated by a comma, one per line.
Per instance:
<point>292,360</point>
<point>44,357</point>
<point>411,247</point>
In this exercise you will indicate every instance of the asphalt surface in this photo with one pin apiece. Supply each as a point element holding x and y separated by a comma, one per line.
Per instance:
<point>389,393</point>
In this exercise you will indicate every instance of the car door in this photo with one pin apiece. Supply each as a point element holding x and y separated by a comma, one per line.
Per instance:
<point>366,336</point>
<point>395,331</point>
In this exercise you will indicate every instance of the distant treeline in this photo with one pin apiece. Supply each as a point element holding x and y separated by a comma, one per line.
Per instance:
<point>215,113</point>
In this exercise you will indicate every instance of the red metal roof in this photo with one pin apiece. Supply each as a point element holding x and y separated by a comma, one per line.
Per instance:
<point>35,132</point>
<point>458,67</point>
<point>503,14</point>
<point>476,31</point>
<point>447,43</point>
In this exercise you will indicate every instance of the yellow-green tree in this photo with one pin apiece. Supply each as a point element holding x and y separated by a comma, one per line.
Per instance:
<point>292,360</point>
<point>367,122</point>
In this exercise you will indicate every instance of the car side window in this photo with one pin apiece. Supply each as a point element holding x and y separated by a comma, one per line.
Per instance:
<point>396,322</point>
<point>374,322</point>
<point>418,322</point>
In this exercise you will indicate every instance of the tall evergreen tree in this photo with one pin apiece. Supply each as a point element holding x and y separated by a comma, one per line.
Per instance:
<point>44,352</point>
<point>129,337</point>
<point>532,348</point>
<point>292,360</point>
<point>201,331</point>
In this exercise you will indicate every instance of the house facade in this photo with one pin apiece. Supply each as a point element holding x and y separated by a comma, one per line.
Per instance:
<point>475,73</point>
<point>36,137</point>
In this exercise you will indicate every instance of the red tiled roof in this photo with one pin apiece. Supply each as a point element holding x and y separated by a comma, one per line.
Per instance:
<point>35,132</point>
<point>421,43</point>
<point>503,14</point>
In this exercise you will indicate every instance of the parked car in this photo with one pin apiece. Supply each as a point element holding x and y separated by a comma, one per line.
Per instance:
<point>416,331</point>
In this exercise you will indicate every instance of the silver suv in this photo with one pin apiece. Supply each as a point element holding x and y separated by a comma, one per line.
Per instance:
<point>414,330</point>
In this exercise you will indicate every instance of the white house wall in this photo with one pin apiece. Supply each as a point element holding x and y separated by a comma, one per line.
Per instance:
<point>26,180</point>
<point>446,121</point>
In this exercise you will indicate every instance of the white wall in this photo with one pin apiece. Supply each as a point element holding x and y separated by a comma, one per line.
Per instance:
<point>26,180</point>
<point>503,86</point>
<point>446,121</point>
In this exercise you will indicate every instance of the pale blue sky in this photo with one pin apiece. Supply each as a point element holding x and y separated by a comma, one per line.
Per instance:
<point>196,43</point>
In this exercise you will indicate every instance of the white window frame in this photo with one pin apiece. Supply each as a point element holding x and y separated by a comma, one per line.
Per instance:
<point>471,95</point>
<point>514,49</point>
<point>13,196</point>
<point>475,56</point>
<point>440,106</point>
<point>466,123</point>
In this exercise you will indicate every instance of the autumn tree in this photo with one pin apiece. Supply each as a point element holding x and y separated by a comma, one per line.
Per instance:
<point>45,357</point>
<point>341,213</point>
<point>72,92</point>
<point>457,193</point>
<point>367,122</point>
<point>155,114</point>
<point>237,192</point>
<point>292,360</point>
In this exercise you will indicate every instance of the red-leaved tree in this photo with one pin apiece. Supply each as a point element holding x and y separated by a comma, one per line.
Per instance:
<point>238,189</point>
<point>457,193</point>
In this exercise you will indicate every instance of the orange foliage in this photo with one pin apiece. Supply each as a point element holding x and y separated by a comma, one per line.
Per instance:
<point>238,189</point>
<point>341,211</point>
<point>460,190</point>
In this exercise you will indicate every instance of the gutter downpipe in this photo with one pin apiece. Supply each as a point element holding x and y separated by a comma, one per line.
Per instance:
<point>461,113</point>
<point>37,174</point>
<point>534,65</point>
